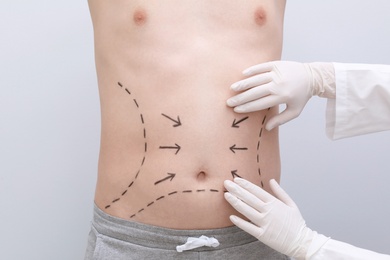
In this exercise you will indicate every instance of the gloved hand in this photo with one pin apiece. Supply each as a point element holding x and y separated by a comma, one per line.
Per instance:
<point>282,82</point>
<point>275,221</point>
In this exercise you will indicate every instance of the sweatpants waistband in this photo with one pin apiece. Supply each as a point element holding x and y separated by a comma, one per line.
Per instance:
<point>163,238</point>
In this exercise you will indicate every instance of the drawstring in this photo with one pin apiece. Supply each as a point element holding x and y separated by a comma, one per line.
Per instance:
<point>195,242</point>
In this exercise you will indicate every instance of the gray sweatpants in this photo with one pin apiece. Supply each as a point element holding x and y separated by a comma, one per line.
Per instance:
<point>112,238</point>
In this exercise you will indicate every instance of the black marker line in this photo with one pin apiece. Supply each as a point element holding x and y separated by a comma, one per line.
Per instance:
<point>177,147</point>
<point>145,146</point>
<point>150,204</point>
<point>171,176</point>
<point>160,198</point>
<point>187,191</point>
<point>212,190</point>
<point>141,210</point>
<point>235,124</point>
<point>234,174</point>
<point>201,190</point>
<point>264,119</point>
<point>132,216</point>
<point>175,192</point>
<point>259,146</point>
<point>233,148</point>
<point>177,122</point>
<point>106,207</point>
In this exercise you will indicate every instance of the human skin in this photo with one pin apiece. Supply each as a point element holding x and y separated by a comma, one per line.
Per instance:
<point>168,139</point>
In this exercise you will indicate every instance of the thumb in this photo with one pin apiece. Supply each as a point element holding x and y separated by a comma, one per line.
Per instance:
<point>282,118</point>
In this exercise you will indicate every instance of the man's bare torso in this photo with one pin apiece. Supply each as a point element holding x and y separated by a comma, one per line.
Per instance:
<point>168,139</point>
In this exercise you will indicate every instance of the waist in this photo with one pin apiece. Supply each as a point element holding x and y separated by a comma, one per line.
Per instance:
<point>164,158</point>
<point>163,238</point>
<point>173,177</point>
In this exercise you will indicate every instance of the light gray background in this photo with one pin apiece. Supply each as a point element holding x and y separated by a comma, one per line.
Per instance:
<point>49,127</point>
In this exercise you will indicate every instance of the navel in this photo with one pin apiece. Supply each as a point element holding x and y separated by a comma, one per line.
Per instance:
<point>139,16</point>
<point>260,16</point>
<point>201,176</point>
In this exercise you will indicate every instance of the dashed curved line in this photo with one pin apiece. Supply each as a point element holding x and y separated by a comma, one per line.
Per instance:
<point>259,146</point>
<point>170,194</point>
<point>145,149</point>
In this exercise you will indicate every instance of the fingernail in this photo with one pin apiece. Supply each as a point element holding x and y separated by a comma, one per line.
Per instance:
<point>246,71</point>
<point>226,183</point>
<point>233,218</point>
<point>239,109</point>
<point>230,186</point>
<point>235,86</point>
<point>269,127</point>
<point>228,196</point>
<point>239,180</point>
<point>231,102</point>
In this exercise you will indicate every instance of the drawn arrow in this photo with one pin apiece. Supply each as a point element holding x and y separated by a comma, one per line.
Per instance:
<point>177,147</point>
<point>177,122</point>
<point>233,148</point>
<point>171,176</point>
<point>234,174</point>
<point>235,124</point>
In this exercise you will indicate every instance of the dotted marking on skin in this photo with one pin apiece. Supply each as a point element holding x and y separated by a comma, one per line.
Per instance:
<point>170,194</point>
<point>145,148</point>
<point>259,146</point>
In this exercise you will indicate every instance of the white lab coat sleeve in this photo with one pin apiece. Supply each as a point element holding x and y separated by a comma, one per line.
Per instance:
<point>336,250</point>
<point>362,103</point>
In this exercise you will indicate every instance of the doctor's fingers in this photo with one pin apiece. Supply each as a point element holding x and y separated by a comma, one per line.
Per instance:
<point>259,68</point>
<point>248,227</point>
<point>243,195</point>
<point>259,104</point>
<point>254,81</point>
<point>252,214</point>
<point>250,95</point>
<point>286,115</point>
<point>260,193</point>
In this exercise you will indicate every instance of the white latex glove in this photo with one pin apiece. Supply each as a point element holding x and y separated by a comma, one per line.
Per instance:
<point>275,221</point>
<point>282,82</point>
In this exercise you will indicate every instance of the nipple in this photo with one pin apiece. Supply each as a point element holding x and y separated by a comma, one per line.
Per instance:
<point>260,16</point>
<point>139,16</point>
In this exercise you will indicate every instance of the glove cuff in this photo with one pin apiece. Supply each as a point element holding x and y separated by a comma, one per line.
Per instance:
<point>308,244</point>
<point>301,246</point>
<point>316,244</point>
<point>323,79</point>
